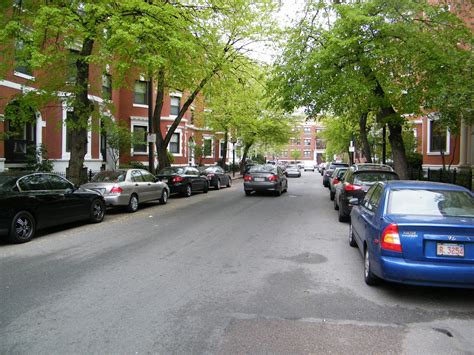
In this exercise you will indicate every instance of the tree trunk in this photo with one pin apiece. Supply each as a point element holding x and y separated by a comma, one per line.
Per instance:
<point>244,157</point>
<point>363,137</point>
<point>83,108</point>
<point>161,147</point>
<point>398,149</point>
<point>224,153</point>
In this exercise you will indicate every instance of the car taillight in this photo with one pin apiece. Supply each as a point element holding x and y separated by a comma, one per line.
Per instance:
<point>177,179</point>
<point>210,176</point>
<point>247,178</point>
<point>116,190</point>
<point>391,239</point>
<point>335,181</point>
<point>350,187</point>
<point>272,178</point>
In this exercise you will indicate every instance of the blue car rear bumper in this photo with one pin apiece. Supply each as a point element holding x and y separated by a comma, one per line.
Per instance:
<point>426,273</point>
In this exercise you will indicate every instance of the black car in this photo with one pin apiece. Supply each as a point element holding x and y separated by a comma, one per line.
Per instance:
<point>329,170</point>
<point>184,180</point>
<point>355,183</point>
<point>216,176</point>
<point>334,180</point>
<point>32,201</point>
<point>265,178</point>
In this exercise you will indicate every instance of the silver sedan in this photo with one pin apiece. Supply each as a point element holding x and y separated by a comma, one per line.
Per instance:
<point>128,187</point>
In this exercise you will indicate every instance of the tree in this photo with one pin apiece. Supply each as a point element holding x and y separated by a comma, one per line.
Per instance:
<point>389,57</point>
<point>295,155</point>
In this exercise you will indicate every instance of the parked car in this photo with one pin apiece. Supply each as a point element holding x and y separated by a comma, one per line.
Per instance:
<point>335,179</point>
<point>415,232</point>
<point>321,167</point>
<point>32,201</point>
<point>329,170</point>
<point>308,166</point>
<point>355,183</point>
<point>265,178</point>
<point>128,187</point>
<point>292,171</point>
<point>184,180</point>
<point>216,176</point>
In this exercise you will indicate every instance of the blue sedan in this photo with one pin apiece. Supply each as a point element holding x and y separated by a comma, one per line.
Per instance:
<point>414,232</point>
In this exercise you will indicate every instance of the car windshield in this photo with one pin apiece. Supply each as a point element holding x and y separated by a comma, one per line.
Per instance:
<point>209,169</point>
<point>7,182</point>
<point>110,176</point>
<point>262,169</point>
<point>291,167</point>
<point>431,203</point>
<point>171,171</point>
<point>371,177</point>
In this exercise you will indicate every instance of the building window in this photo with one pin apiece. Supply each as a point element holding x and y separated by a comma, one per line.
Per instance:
<point>307,153</point>
<point>139,134</point>
<point>174,143</point>
<point>307,130</point>
<point>298,142</point>
<point>140,92</point>
<point>22,59</point>
<point>221,149</point>
<point>438,137</point>
<point>307,142</point>
<point>207,149</point>
<point>71,74</point>
<point>320,143</point>
<point>107,86</point>
<point>175,101</point>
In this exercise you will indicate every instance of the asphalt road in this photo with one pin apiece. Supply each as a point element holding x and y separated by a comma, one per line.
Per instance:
<point>218,273</point>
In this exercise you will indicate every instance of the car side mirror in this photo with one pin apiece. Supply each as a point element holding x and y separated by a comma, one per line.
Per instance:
<point>354,201</point>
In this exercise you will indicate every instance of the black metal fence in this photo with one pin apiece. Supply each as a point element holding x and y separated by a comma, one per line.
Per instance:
<point>453,176</point>
<point>86,175</point>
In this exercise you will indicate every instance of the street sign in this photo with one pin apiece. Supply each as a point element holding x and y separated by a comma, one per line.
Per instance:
<point>352,149</point>
<point>151,138</point>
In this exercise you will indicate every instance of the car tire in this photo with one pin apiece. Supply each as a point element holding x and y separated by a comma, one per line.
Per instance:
<point>369,277</point>
<point>188,191</point>
<point>164,197</point>
<point>248,192</point>
<point>331,195</point>
<point>229,182</point>
<point>206,188</point>
<point>341,216</point>
<point>278,192</point>
<point>97,211</point>
<point>352,241</point>
<point>218,185</point>
<point>336,206</point>
<point>133,204</point>
<point>286,187</point>
<point>22,228</point>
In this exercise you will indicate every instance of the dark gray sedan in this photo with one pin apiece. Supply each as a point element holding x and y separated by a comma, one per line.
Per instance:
<point>129,187</point>
<point>265,178</point>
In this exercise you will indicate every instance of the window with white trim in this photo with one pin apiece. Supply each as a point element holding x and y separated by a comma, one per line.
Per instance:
<point>174,105</point>
<point>307,153</point>
<point>140,92</point>
<point>221,149</point>
<point>438,137</point>
<point>22,58</point>
<point>307,129</point>
<point>174,143</point>
<point>207,147</point>
<point>140,135</point>
<point>107,86</point>
<point>307,141</point>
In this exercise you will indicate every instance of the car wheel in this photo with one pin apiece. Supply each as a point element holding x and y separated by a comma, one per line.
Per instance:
<point>206,188</point>
<point>218,185</point>
<point>164,197</point>
<point>331,195</point>
<point>133,203</point>
<point>188,191</point>
<point>278,192</point>
<point>341,216</point>
<point>248,192</point>
<point>22,228</point>
<point>229,181</point>
<point>286,187</point>
<point>369,277</point>
<point>336,206</point>
<point>352,241</point>
<point>97,211</point>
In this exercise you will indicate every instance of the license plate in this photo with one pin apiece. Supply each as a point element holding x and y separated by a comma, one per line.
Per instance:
<point>259,179</point>
<point>450,249</point>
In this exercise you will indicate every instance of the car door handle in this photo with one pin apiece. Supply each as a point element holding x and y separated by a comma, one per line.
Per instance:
<point>149,184</point>
<point>136,184</point>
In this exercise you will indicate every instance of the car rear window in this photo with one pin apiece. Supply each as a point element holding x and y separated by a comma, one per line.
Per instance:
<point>431,203</point>
<point>262,169</point>
<point>110,176</point>
<point>374,176</point>
<point>171,171</point>
<point>7,182</point>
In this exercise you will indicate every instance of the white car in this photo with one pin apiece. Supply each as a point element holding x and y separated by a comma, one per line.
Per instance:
<point>308,166</point>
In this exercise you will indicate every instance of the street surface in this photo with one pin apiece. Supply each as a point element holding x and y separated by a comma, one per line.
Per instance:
<point>218,273</point>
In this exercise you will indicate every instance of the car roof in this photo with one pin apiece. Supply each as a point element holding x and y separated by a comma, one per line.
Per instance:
<point>416,184</point>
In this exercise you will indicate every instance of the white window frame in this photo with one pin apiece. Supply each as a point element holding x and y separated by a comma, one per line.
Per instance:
<point>212,146</point>
<point>67,155</point>
<point>138,121</point>
<point>179,106</point>
<point>306,155</point>
<point>180,143</point>
<point>428,143</point>
<point>141,79</point>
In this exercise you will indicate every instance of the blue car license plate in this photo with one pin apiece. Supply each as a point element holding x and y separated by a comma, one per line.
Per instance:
<point>450,249</point>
